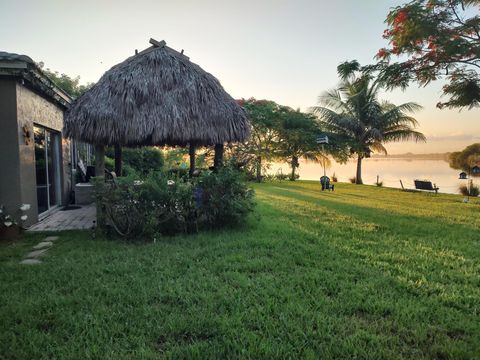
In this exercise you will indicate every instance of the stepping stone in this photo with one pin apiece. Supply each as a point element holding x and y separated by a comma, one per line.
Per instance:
<point>43,244</point>
<point>51,238</point>
<point>36,253</point>
<point>30,262</point>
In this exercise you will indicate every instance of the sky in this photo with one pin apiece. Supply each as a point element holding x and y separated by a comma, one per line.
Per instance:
<point>285,51</point>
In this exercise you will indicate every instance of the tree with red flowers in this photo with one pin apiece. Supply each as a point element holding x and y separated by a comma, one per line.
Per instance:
<point>441,39</point>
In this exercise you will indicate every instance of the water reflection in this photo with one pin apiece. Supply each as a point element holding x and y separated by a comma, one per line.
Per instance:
<point>390,172</point>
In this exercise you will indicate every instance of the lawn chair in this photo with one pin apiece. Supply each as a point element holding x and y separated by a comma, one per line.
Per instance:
<point>326,185</point>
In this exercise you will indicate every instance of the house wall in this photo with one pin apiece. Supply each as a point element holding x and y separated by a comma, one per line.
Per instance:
<point>31,109</point>
<point>10,184</point>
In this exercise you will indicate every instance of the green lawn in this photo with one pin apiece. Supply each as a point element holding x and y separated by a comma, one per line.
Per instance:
<point>363,272</point>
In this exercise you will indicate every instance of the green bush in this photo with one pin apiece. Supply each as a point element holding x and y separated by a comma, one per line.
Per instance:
<point>222,198</point>
<point>127,170</point>
<point>166,205</point>
<point>274,177</point>
<point>117,205</point>
<point>142,160</point>
<point>474,190</point>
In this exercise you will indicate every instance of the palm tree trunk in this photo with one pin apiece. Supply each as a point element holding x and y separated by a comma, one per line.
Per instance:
<point>358,177</point>
<point>259,169</point>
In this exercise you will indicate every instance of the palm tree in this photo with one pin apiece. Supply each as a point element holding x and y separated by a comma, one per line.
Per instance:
<point>354,113</point>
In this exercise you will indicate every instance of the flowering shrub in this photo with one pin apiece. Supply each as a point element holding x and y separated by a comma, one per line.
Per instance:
<point>167,205</point>
<point>163,204</point>
<point>117,204</point>
<point>8,220</point>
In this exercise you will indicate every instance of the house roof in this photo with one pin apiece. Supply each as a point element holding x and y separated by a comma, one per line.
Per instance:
<point>23,67</point>
<point>157,97</point>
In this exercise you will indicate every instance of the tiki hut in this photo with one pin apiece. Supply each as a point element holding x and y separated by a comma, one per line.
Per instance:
<point>156,97</point>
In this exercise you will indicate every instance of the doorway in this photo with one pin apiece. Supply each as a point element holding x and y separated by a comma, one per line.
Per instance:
<point>47,168</point>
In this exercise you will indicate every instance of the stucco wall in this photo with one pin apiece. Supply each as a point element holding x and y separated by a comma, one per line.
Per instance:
<point>10,189</point>
<point>34,109</point>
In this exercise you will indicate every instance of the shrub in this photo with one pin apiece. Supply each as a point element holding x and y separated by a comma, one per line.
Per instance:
<point>379,183</point>
<point>117,204</point>
<point>160,204</point>
<point>278,176</point>
<point>334,178</point>
<point>223,198</point>
<point>353,179</point>
<point>474,190</point>
<point>167,205</point>
<point>126,169</point>
<point>14,219</point>
<point>142,160</point>
<point>281,176</point>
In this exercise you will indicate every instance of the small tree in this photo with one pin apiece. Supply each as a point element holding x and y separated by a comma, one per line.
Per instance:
<point>68,84</point>
<point>298,133</point>
<point>262,145</point>
<point>466,159</point>
<point>441,38</point>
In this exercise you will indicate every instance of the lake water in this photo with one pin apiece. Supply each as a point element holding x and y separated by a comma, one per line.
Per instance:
<point>389,170</point>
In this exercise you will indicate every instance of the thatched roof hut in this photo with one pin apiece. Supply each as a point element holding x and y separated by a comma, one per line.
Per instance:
<point>156,97</point>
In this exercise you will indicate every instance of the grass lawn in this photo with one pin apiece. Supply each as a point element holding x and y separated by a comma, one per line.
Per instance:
<point>363,272</point>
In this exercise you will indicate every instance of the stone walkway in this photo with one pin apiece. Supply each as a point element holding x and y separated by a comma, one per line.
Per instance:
<point>76,219</point>
<point>39,250</point>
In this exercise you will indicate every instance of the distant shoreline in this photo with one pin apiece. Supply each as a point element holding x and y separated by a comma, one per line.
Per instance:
<point>411,156</point>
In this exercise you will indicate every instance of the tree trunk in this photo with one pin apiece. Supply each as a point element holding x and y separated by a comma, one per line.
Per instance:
<point>218,159</point>
<point>294,166</point>
<point>294,163</point>
<point>118,160</point>
<point>358,177</point>
<point>191,152</point>
<point>259,169</point>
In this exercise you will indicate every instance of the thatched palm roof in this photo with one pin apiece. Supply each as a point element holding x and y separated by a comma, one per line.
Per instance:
<point>156,97</point>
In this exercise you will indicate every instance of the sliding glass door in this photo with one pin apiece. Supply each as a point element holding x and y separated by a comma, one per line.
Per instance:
<point>47,166</point>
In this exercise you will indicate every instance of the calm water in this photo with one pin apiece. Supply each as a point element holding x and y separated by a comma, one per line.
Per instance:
<point>390,171</point>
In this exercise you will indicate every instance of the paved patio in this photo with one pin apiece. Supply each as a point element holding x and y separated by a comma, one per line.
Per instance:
<point>76,219</point>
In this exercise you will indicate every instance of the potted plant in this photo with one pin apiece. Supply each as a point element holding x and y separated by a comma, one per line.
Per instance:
<point>10,229</point>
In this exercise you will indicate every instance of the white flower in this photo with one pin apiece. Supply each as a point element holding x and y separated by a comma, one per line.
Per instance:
<point>170,182</point>
<point>8,223</point>
<point>25,207</point>
<point>24,217</point>
<point>1,211</point>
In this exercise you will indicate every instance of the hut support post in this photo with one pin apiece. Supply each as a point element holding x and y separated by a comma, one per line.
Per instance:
<point>218,159</point>
<point>118,160</point>
<point>100,173</point>
<point>191,152</point>
<point>99,160</point>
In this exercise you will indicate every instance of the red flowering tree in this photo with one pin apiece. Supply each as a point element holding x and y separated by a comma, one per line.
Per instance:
<point>441,39</point>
